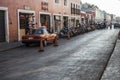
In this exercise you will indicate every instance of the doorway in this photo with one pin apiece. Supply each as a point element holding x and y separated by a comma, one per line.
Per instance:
<point>65,21</point>
<point>27,23</point>
<point>57,23</point>
<point>45,20</point>
<point>73,22</point>
<point>2,26</point>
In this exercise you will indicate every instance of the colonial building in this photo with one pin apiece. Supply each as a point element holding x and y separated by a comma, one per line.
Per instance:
<point>83,17</point>
<point>118,19</point>
<point>113,18</point>
<point>90,11</point>
<point>108,19</point>
<point>98,15</point>
<point>19,16</point>
<point>75,13</point>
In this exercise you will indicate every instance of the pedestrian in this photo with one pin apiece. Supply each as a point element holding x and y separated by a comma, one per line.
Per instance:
<point>104,24</point>
<point>110,25</point>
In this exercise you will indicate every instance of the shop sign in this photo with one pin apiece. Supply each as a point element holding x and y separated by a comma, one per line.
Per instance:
<point>44,6</point>
<point>26,7</point>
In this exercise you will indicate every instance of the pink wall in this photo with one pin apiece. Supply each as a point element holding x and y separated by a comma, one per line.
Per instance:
<point>61,8</point>
<point>34,5</point>
<point>13,6</point>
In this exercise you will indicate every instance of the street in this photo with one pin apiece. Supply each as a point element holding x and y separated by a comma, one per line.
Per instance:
<point>83,57</point>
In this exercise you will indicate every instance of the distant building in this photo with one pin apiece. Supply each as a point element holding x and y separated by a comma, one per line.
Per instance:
<point>113,18</point>
<point>108,19</point>
<point>98,15</point>
<point>118,19</point>
<point>83,17</point>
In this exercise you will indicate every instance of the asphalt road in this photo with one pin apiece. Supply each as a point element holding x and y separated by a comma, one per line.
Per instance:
<point>83,57</point>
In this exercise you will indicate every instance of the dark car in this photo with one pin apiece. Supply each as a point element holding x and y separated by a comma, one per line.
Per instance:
<point>116,25</point>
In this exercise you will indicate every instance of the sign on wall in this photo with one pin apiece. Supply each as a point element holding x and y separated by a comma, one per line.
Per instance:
<point>44,6</point>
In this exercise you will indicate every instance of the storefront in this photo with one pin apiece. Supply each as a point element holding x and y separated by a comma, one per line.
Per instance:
<point>77,22</point>
<point>45,21</point>
<point>83,19</point>
<point>4,31</point>
<point>26,22</point>
<point>65,21</point>
<point>73,23</point>
<point>57,23</point>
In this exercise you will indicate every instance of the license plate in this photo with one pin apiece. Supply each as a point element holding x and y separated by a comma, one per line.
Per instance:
<point>30,38</point>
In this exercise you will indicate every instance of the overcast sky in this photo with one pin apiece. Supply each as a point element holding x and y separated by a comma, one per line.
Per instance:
<point>110,6</point>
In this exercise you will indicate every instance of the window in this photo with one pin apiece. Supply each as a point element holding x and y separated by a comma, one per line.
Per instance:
<point>75,9</point>
<point>45,31</point>
<point>72,8</point>
<point>56,1</point>
<point>65,2</point>
<point>37,31</point>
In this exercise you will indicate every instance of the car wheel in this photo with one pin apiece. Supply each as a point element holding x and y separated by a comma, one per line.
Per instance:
<point>44,43</point>
<point>55,39</point>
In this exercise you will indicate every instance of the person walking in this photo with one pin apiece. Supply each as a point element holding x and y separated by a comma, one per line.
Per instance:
<point>110,25</point>
<point>104,24</point>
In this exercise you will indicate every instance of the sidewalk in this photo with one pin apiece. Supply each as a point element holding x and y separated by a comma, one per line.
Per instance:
<point>112,71</point>
<point>11,45</point>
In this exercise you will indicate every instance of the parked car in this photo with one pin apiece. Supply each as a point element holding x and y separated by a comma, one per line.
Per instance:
<point>116,25</point>
<point>37,35</point>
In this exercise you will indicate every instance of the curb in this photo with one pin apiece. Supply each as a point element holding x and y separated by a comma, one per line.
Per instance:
<point>8,46</point>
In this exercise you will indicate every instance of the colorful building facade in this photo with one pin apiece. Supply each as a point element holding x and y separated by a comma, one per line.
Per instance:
<point>17,17</point>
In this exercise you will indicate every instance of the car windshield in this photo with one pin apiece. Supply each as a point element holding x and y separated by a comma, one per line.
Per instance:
<point>45,31</point>
<point>37,31</point>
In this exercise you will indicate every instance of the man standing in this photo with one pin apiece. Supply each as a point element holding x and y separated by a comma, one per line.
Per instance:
<point>110,25</point>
